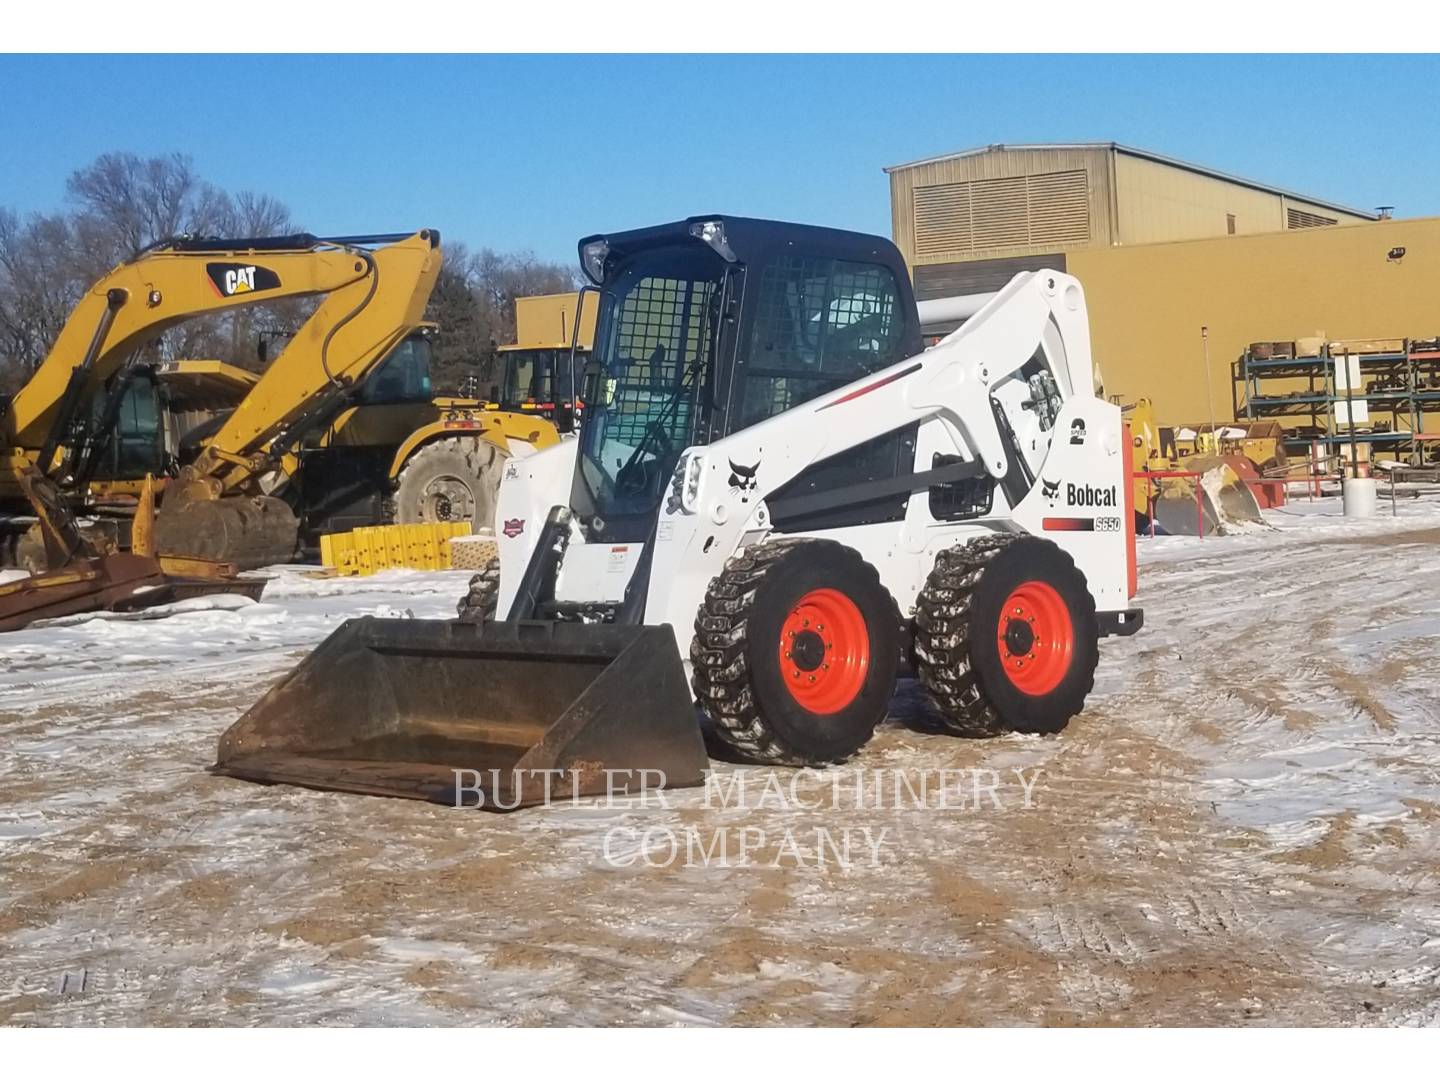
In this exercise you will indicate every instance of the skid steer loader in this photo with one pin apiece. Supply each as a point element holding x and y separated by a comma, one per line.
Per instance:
<point>777,499</point>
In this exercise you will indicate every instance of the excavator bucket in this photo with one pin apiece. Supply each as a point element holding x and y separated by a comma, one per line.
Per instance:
<point>497,715</point>
<point>1225,499</point>
<point>249,531</point>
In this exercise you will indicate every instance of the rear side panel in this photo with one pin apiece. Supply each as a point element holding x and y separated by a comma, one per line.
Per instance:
<point>1078,500</point>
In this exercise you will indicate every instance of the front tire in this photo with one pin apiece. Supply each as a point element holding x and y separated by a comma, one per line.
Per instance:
<point>1006,637</point>
<point>795,652</point>
<point>450,480</point>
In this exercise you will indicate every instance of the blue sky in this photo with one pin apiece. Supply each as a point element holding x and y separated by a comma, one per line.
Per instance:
<point>532,152</point>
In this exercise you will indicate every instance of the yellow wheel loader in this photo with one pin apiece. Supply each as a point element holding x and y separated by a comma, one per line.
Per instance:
<point>778,500</point>
<point>393,453</point>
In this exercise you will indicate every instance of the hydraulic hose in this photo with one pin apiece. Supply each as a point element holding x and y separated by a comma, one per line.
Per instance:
<point>374,271</point>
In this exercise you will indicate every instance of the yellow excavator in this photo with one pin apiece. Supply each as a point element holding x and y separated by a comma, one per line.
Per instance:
<point>54,429</point>
<point>217,513</point>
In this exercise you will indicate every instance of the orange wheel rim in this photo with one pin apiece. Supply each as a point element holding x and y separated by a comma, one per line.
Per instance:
<point>1036,637</point>
<point>824,651</point>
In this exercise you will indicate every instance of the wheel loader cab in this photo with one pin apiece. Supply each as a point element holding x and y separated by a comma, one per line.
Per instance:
<point>712,324</point>
<point>403,377</point>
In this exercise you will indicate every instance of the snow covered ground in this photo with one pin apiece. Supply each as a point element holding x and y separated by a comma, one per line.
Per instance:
<point>1240,829</point>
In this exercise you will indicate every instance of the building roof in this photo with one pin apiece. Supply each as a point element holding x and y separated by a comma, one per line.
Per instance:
<point>1148,155</point>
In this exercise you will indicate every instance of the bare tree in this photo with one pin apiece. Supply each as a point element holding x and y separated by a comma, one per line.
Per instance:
<point>38,287</point>
<point>123,203</point>
<point>474,303</point>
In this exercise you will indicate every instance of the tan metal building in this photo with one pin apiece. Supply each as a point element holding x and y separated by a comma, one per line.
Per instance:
<point>967,222</point>
<point>1147,303</point>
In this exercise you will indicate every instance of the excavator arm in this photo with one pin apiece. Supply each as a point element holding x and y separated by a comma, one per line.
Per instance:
<point>352,331</point>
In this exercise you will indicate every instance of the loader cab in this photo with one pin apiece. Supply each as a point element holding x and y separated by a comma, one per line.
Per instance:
<point>541,381</point>
<point>712,324</point>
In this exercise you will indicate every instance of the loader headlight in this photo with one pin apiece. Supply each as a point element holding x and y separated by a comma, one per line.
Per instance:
<point>592,260</point>
<point>713,233</point>
<point>690,483</point>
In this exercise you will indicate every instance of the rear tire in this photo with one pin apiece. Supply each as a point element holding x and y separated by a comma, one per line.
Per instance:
<point>480,603</point>
<point>450,480</point>
<point>1006,637</point>
<point>795,652</point>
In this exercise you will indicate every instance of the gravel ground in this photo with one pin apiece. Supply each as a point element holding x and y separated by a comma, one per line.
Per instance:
<point>1240,829</point>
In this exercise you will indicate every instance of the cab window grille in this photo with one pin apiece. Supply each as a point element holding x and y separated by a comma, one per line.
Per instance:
<point>663,328</point>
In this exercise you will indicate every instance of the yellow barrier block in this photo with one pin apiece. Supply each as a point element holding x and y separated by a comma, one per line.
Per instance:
<point>372,548</point>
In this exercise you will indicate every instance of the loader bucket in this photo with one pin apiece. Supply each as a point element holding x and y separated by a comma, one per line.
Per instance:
<point>498,715</point>
<point>1225,499</point>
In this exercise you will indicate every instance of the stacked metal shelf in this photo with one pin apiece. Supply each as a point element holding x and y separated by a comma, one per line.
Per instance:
<point>1398,386</point>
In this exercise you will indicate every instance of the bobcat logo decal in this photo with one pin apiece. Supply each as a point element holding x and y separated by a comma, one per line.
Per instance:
<point>742,477</point>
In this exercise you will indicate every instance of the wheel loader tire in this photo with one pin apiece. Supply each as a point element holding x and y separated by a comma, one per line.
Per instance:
<point>1006,637</point>
<point>479,604</point>
<point>795,652</point>
<point>450,480</point>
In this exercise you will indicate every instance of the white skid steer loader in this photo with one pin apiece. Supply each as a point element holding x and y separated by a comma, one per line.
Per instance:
<point>778,501</point>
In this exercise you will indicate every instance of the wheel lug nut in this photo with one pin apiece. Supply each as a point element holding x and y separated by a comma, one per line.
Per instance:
<point>812,678</point>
